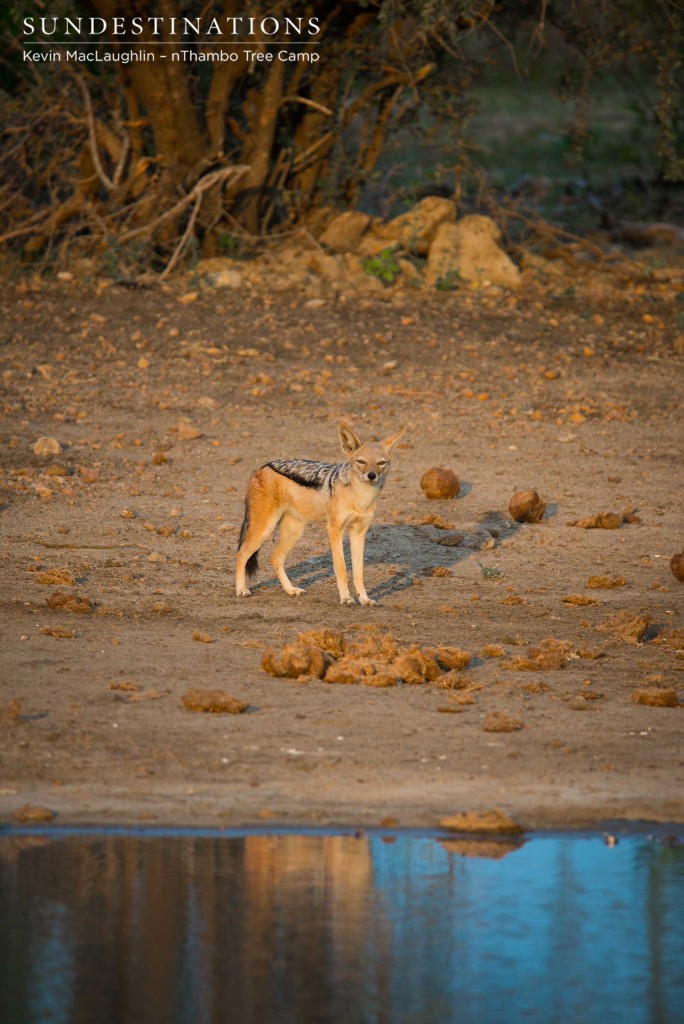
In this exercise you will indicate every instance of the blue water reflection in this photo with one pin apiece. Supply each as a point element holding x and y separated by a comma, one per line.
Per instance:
<point>327,928</point>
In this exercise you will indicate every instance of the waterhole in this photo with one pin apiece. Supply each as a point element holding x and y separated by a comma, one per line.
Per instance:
<point>162,927</point>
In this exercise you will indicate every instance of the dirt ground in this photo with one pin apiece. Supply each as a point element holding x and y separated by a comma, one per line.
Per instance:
<point>165,399</point>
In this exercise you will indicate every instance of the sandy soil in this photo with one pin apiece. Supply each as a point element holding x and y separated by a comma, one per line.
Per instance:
<point>581,401</point>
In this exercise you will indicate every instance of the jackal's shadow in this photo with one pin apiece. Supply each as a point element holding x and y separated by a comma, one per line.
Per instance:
<point>405,552</point>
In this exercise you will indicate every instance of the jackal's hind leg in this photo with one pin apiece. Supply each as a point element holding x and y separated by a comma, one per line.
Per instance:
<point>291,529</point>
<point>257,534</point>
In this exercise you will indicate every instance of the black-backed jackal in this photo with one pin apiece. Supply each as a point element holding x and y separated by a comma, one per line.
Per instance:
<point>293,492</point>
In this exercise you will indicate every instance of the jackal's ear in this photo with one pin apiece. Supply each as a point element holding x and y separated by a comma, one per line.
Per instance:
<point>389,442</point>
<point>348,439</point>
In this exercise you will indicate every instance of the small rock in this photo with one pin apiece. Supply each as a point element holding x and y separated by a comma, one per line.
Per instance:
<point>468,250</point>
<point>344,232</point>
<point>187,431</point>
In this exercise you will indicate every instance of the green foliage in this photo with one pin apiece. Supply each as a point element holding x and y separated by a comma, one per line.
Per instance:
<point>490,572</point>
<point>384,266</point>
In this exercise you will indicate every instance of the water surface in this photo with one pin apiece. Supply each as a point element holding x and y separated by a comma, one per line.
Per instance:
<point>320,928</point>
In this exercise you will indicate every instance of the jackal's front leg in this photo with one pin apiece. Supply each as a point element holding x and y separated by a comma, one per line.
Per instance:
<point>335,534</point>
<point>357,543</point>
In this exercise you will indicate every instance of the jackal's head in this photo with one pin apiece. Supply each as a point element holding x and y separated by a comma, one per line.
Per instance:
<point>370,460</point>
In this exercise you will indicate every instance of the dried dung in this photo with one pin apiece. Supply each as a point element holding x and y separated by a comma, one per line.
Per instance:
<point>436,520</point>
<point>579,703</point>
<point>580,600</point>
<point>626,626</point>
<point>349,670</point>
<point>415,666</point>
<point>46,446</point>
<point>494,822</point>
<point>521,664</point>
<point>383,646</point>
<point>33,815</point>
<point>605,582</point>
<point>453,680</point>
<point>526,507</point>
<point>379,679</point>
<point>450,657</point>
<point>501,721</point>
<point>656,697</point>
<point>677,566</point>
<point>462,697</point>
<point>536,687</point>
<point>329,640</point>
<point>202,637</point>
<point>294,661</point>
<point>600,521</point>
<point>58,632</point>
<point>62,602</point>
<point>492,651</point>
<point>55,578</point>
<point>213,701</point>
<point>440,570</point>
<point>440,483</point>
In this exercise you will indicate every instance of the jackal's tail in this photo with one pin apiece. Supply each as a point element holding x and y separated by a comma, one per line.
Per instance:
<point>253,560</point>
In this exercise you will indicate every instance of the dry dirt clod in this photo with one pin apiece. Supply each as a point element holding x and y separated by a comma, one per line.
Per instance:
<point>33,815</point>
<point>58,632</point>
<point>677,566</point>
<point>526,507</point>
<point>501,721</point>
<point>440,483</point>
<point>213,702</point>
<point>656,697</point>
<point>495,822</point>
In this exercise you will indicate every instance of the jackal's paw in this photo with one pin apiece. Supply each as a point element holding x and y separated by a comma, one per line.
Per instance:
<point>347,600</point>
<point>368,601</point>
<point>244,592</point>
<point>295,592</point>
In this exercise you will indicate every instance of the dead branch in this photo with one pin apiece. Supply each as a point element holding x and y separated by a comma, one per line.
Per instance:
<point>92,136</point>
<point>178,251</point>
<point>208,181</point>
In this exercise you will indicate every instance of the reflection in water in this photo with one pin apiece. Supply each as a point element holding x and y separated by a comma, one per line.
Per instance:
<point>311,929</point>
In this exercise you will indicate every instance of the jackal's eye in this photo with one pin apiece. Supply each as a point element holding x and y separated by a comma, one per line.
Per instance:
<point>360,462</point>
<point>382,463</point>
